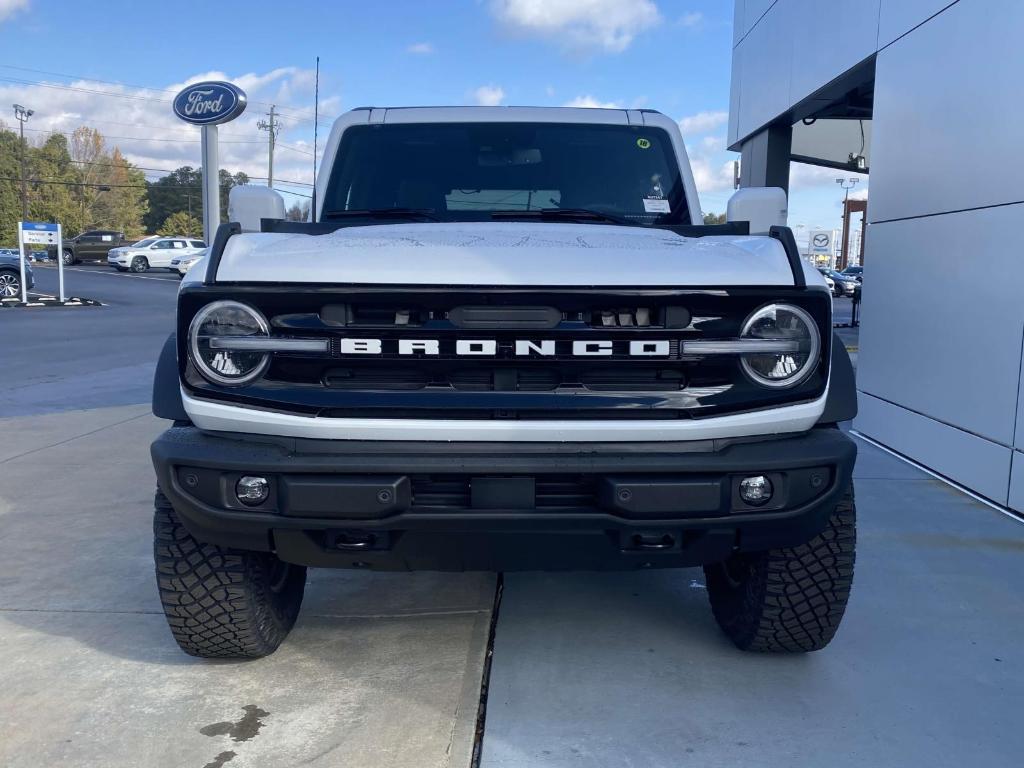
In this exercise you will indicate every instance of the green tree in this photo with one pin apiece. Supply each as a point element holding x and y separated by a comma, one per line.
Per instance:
<point>180,190</point>
<point>122,206</point>
<point>10,186</point>
<point>180,223</point>
<point>297,212</point>
<point>53,180</point>
<point>714,218</point>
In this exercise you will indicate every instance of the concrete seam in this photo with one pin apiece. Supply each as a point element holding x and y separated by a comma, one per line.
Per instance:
<point>71,439</point>
<point>952,484</point>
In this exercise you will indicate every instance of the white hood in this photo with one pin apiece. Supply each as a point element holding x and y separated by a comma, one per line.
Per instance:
<point>507,253</point>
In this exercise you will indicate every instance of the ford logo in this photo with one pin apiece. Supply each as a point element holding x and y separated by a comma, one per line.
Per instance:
<point>209,103</point>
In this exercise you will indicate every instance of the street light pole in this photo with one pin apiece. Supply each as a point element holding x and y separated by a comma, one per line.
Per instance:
<point>22,115</point>
<point>847,185</point>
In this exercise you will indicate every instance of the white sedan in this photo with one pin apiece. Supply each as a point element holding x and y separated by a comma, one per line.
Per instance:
<point>152,252</point>
<point>184,263</point>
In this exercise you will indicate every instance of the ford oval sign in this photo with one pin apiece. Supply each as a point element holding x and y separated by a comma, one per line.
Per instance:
<point>209,103</point>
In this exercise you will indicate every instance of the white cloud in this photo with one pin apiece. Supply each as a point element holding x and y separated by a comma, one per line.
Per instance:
<point>421,48</point>
<point>592,103</point>
<point>703,122</point>
<point>139,121</point>
<point>691,19</point>
<point>489,95</point>
<point>584,26</point>
<point>9,7</point>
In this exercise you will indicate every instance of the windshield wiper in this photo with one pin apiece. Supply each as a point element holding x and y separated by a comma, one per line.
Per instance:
<point>568,214</point>
<point>424,214</point>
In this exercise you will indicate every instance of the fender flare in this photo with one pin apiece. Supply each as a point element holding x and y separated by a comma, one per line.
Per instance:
<point>841,403</point>
<point>166,387</point>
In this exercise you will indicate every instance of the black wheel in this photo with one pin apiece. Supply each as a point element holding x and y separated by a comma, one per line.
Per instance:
<point>789,599</point>
<point>68,257</point>
<point>139,264</point>
<point>222,603</point>
<point>10,283</point>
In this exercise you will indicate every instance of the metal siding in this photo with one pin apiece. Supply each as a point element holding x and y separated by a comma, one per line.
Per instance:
<point>898,17</point>
<point>946,119</point>
<point>967,459</point>
<point>766,69</point>
<point>1016,496</point>
<point>827,40</point>
<point>941,328</point>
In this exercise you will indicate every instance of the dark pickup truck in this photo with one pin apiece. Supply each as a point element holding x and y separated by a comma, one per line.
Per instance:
<point>92,245</point>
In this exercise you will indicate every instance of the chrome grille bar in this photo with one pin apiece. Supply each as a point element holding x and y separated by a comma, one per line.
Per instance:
<point>266,344</point>
<point>740,347</point>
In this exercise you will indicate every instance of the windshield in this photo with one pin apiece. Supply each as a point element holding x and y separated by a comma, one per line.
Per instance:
<point>144,242</point>
<point>465,172</point>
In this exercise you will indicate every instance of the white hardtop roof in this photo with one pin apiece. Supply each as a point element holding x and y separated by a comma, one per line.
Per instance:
<point>638,117</point>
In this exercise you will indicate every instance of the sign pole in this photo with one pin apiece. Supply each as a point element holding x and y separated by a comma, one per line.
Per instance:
<point>21,262</point>
<point>211,183</point>
<point>60,264</point>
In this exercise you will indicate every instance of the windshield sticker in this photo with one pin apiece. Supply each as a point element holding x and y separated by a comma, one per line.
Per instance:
<point>656,205</point>
<point>643,143</point>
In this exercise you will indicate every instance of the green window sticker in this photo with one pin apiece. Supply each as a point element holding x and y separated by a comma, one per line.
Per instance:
<point>643,143</point>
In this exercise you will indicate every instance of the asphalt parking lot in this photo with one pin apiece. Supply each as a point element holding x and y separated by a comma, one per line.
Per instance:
<point>386,669</point>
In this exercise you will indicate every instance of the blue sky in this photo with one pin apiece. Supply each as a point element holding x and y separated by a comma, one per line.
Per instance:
<point>115,66</point>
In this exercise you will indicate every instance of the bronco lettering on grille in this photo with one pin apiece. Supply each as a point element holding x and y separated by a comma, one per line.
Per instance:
<point>512,348</point>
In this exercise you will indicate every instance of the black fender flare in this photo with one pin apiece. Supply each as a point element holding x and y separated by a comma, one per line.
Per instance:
<point>841,403</point>
<point>166,387</point>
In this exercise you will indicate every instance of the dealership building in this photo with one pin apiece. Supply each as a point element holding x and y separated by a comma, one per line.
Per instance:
<point>924,95</point>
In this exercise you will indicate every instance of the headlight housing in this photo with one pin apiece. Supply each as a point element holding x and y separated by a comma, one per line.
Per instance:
<point>230,367</point>
<point>782,322</point>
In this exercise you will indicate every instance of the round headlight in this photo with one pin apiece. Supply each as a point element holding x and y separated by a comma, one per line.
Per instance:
<point>213,326</point>
<point>791,365</point>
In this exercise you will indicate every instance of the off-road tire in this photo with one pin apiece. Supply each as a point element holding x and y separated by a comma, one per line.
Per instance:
<point>790,599</point>
<point>139,264</point>
<point>222,603</point>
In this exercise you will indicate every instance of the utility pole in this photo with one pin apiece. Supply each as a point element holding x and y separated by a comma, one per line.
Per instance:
<point>847,185</point>
<point>22,115</point>
<point>271,127</point>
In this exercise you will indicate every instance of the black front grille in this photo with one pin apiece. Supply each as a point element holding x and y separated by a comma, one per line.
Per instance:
<point>505,383</point>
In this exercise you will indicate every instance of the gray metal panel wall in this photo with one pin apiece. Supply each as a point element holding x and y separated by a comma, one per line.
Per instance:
<point>948,115</point>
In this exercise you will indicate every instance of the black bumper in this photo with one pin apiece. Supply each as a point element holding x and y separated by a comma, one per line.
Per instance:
<point>509,506</point>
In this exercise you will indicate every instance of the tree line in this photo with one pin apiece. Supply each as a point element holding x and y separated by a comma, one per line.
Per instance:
<point>83,183</point>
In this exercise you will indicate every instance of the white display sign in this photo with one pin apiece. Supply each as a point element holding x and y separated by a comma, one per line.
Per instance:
<point>39,233</point>
<point>820,241</point>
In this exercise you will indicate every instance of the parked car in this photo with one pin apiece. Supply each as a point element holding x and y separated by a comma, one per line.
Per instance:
<point>857,273</point>
<point>842,285</point>
<point>153,252</point>
<point>184,263</point>
<point>93,245</point>
<point>10,274</point>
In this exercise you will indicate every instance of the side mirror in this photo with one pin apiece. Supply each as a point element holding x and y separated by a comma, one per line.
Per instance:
<point>152,247</point>
<point>247,205</point>
<point>763,207</point>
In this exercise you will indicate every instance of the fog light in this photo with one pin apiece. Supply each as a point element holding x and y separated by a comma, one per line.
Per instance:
<point>756,490</point>
<point>252,491</point>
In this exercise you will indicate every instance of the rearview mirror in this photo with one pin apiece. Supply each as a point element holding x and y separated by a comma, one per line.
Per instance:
<point>763,207</point>
<point>248,204</point>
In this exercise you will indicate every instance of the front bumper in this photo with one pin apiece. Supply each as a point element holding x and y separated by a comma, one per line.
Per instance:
<point>505,506</point>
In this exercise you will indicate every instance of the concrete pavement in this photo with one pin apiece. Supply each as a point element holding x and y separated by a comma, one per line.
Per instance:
<point>381,669</point>
<point>927,668</point>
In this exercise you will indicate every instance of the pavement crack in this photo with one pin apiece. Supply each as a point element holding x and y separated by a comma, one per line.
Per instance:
<point>75,437</point>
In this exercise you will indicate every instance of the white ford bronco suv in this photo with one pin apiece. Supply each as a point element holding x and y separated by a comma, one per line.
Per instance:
<point>504,340</point>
